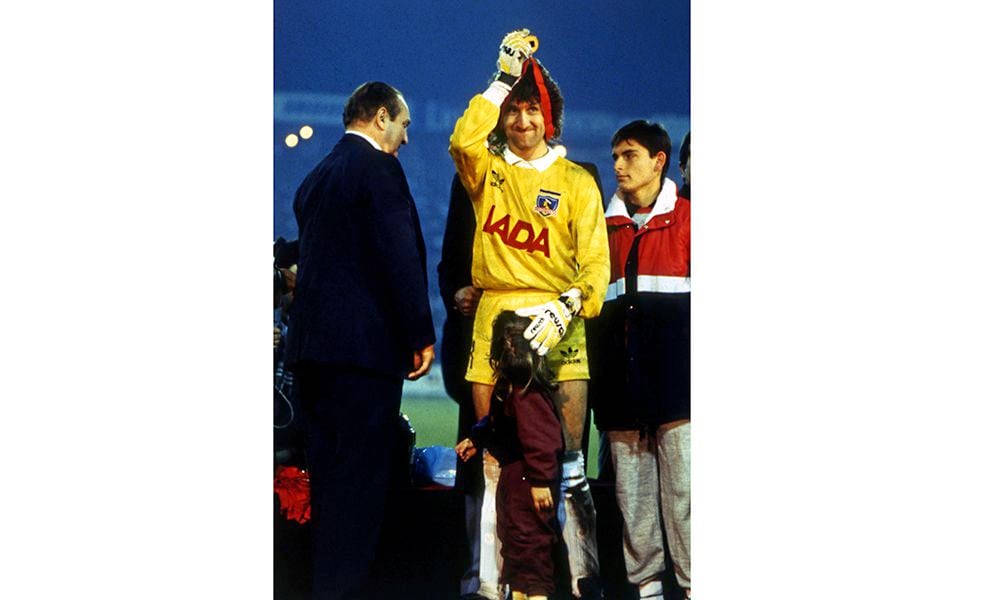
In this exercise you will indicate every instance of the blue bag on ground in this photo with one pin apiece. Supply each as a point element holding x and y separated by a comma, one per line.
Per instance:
<point>434,465</point>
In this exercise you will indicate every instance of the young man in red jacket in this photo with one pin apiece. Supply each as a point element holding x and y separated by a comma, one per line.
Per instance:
<point>639,357</point>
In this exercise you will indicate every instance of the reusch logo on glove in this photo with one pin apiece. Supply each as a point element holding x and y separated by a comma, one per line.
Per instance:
<point>557,321</point>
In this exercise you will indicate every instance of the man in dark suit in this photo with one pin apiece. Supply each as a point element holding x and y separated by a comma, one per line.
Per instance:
<point>360,324</point>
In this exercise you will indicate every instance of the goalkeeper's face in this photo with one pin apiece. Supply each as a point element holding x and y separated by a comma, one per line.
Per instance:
<point>523,126</point>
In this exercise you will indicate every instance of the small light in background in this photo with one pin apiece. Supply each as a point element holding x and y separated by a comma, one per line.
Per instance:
<point>291,140</point>
<point>306,132</point>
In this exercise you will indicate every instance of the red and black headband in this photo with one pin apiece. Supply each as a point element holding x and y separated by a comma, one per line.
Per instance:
<point>545,100</point>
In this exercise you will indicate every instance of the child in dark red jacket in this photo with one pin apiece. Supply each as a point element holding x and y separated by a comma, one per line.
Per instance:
<point>523,432</point>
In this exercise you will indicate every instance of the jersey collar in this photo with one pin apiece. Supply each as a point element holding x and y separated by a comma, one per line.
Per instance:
<point>539,164</point>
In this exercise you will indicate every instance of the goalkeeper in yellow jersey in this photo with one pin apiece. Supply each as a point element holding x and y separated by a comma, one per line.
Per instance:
<point>541,250</point>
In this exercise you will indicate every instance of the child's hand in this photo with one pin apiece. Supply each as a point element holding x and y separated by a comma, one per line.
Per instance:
<point>542,498</point>
<point>465,449</point>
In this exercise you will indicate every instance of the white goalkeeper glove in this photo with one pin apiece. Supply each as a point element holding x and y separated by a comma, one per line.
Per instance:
<point>551,320</point>
<point>514,50</point>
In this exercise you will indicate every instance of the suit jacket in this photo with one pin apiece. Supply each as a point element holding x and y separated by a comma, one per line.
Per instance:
<point>361,294</point>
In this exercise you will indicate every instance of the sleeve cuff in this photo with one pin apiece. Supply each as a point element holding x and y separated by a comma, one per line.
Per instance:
<point>497,92</point>
<point>479,433</point>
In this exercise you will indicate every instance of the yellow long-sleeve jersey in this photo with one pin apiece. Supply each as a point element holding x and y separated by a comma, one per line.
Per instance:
<point>539,225</point>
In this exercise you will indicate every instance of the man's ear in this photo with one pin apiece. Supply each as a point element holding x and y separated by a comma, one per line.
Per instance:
<point>662,158</point>
<point>381,118</point>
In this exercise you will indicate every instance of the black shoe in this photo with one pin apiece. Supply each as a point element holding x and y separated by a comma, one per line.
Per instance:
<point>590,588</point>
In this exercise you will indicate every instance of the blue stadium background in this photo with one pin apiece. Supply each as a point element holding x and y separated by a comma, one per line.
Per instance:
<point>614,61</point>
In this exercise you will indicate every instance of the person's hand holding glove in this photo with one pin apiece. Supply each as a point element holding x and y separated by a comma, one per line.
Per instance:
<point>551,320</point>
<point>514,50</point>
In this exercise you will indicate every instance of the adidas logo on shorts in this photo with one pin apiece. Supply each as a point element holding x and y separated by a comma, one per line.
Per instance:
<point>570,356</point>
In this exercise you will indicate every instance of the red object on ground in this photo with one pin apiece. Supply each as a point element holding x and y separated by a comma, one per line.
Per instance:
<point>293,492</point>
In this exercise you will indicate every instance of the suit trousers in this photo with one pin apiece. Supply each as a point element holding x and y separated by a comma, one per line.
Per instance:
<point>350,433</point>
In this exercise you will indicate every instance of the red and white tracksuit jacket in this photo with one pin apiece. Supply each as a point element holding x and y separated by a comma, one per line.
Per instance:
<point>640,344</point>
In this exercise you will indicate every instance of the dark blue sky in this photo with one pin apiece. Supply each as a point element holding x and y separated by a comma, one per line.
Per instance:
<point>630,55</point>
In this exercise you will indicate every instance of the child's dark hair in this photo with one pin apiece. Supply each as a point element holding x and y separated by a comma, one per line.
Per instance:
<point>512,359</point>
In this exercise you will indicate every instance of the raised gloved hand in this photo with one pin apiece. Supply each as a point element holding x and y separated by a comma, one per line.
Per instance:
<point>551,320</point>
<point>514,50</point>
